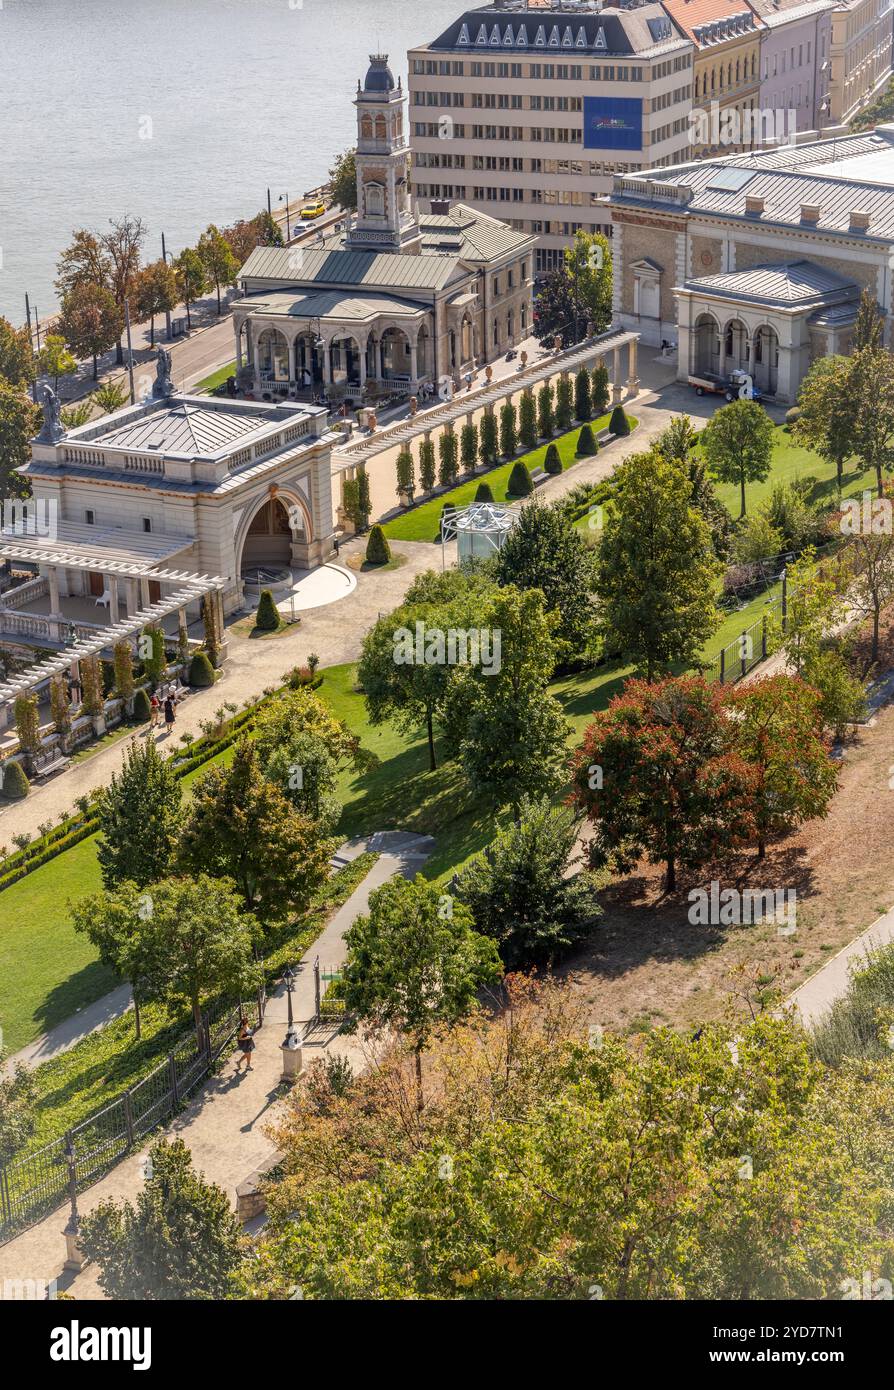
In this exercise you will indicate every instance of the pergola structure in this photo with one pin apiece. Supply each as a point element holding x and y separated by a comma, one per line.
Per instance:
<point>190,587</point>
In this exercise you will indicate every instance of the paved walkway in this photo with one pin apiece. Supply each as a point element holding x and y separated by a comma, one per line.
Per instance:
<point>225,1124</point>
<point>816,996</point>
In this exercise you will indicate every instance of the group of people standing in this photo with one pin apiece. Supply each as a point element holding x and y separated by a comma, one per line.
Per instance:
<point>163,702</point>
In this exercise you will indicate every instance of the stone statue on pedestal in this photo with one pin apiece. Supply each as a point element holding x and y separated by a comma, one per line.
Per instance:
<point>53,429</point>
<point>163,386</point>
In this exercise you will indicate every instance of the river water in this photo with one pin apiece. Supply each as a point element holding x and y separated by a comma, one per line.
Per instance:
<point>183,112</point>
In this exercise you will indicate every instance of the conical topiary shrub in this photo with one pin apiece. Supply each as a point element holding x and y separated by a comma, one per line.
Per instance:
<point>201,672</point>
<point>266,618</point>
<point>520,484</point>
<point>484,493</point>
<point>619,424</point>
<point>142,709</point>
<point>586,442</point>
<point>378,551</point>
<point>553,461</point>
<point>14,784</point>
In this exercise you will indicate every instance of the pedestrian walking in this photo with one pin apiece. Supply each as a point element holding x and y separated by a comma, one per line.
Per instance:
<point>154,710</point>
<point>246,1044</point>
<point>170,713</point>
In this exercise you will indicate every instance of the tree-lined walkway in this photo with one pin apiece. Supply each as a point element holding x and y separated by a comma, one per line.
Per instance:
<point>224,1126</point>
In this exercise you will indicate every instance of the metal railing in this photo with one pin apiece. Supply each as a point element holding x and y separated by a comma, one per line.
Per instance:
<point>34,1185</point>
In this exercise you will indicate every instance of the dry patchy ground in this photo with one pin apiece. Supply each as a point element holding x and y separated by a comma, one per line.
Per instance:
<point>646,964</point>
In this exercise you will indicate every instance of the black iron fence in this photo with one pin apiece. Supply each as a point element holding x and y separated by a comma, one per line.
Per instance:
<point>35,1184</point>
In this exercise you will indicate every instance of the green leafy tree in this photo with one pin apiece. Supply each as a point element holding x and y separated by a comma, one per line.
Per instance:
<point>448,460</point>
<point>54,359</point>
<point>583,405</point>
<point>85,262</point>
<point>527,421</point>
<point>738,445</point>
<point>406,472</point>
<point>181,941</point>
<point>599,389</point>
<point>242,827</point>
<point>19,423</point>
<point>217,257</point>
<point>489,439</point>
<point>545,416</point>
<point>18,1107</point>
<point>140,818</point>
<point>813,607</point>
<point>399,688</point>
<point>343,181</point>
<point>468,447</point>
<point>659,776</point>
<point>122,245</point>
<point>826,419</point>
<point>17,365</point>
<point>427,464</point>
<point>870,387</point>
<point>779,733</point>
<point>77,415</point>
<point>191,278</point>
<point>519,893</point>
<point>415,963</point>
<point>27,723</point>
<point>870,584</point>
<point>565,400</point>
<point>156,293</point>
<point>588,266</point>
<point>90,322</point>
<point>508,431</point>
<point>364,500</point>
<point>110,396</point>
<point>656,572</point>
<point>513,742</point>
<point>123,660</point>
<point>180,1241</point>
<point>543,552</point>
<point>869,325</point>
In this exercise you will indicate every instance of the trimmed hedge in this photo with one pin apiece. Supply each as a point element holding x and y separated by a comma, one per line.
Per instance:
<point>142,709</point>
<point>484,493</point>
<point>586,443</point>
<point>15,784</point>
<point>201,672</point>
<point>267,618</point>
<point>520,484</point>
<point>378,551</point>
<point>553,461</point>
<point>619,424</point>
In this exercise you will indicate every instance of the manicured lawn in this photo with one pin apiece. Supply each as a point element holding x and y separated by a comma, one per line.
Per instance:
<point>423,523</point>
<point>210,383</point>
<point>790,461</point>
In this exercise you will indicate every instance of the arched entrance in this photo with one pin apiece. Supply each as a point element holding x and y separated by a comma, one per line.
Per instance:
<point>395,354</point>
<point>736,346</point>
<point>766,359</point>
<point>273,355</point>
<point>280,523</point>
<point>705,345</point>
<point>345,359</point>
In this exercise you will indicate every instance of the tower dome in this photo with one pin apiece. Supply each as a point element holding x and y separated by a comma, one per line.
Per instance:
<point>379,78</point>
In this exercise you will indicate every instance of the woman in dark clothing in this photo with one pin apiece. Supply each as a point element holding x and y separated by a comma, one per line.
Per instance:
<point>246,1044</point>
<point>169,713</point>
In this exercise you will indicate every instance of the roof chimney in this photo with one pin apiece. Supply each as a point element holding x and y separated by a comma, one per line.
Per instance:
<point>810,212</point>
<point>859,221</point>
<point>440,207</point>
<point>754,206</point>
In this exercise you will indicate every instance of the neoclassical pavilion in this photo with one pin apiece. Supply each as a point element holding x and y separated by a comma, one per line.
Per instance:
<point>394,302</point>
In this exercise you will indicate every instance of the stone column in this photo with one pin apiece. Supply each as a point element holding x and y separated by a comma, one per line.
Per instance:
<point>632,379</point>
<point>414,367</point>
<point>327,364</point>
<point>362,365</point>
<point>55,608</point>
<point>293,360</point>
<point>113,599</point>
<point>144,593</point>
<point>617,389</point>
<point>238,347</point>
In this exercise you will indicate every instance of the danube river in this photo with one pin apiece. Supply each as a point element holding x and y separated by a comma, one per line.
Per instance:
<point>182,112</point>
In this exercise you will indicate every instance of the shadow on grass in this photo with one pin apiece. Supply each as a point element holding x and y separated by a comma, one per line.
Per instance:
<point>84,987</point>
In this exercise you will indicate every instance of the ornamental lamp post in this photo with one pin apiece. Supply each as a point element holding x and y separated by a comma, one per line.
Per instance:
<point>291,1043</point>
<point>75,1259</point>
<point>284,198</point>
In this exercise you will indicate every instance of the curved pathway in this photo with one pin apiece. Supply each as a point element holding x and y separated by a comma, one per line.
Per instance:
<point>224,1125</point>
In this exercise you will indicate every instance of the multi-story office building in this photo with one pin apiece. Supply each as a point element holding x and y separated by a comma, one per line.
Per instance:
<point>528,111</point>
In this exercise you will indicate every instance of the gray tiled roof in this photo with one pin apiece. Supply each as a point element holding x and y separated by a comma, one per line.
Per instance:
<point>332,304</point>
<point>327,267</point>
<point>185,429</point>
<point>786,179</point>
<point>786,282</point>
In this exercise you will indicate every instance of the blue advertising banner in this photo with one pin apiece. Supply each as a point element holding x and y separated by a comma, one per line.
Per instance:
<point>613,123</point>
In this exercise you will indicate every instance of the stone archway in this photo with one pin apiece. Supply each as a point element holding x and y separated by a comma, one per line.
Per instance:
<point>737,346</point>
<point>277,533</point>
<point>705,345</point>
<point>766,359</point>
<point>273,355</point>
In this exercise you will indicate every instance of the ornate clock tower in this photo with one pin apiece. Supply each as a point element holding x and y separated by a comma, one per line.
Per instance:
<point>384,220</point>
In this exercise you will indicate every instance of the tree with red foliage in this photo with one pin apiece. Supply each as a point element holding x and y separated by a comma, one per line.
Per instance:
<point>779,732</point>
<point>660,774</point>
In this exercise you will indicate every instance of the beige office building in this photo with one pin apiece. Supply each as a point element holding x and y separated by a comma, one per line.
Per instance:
<point>860,56</point>
<point>528,111</point>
